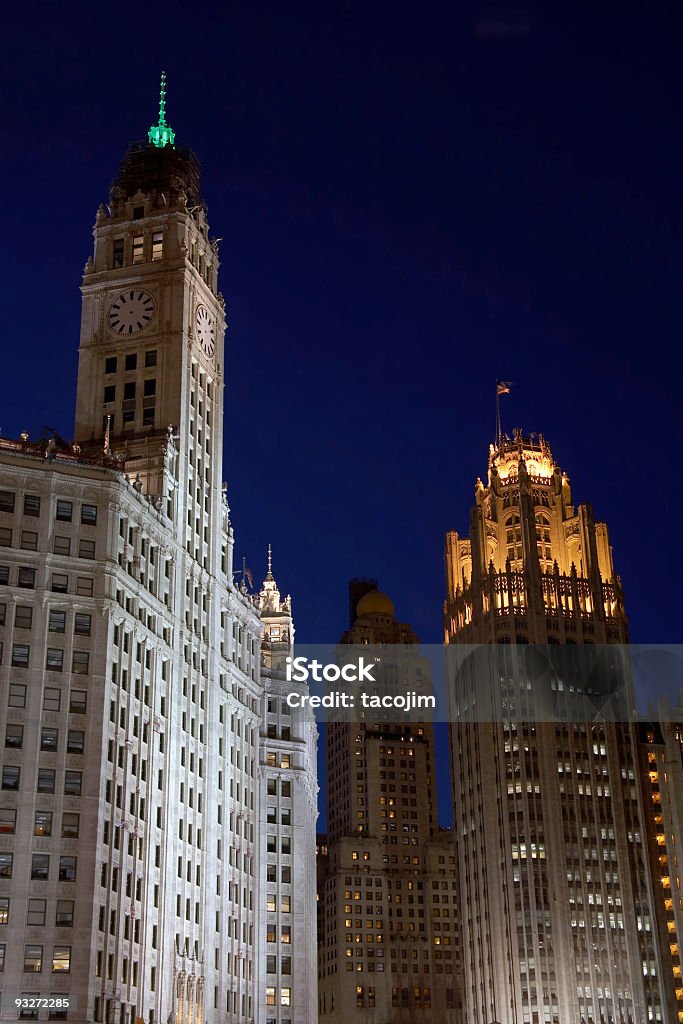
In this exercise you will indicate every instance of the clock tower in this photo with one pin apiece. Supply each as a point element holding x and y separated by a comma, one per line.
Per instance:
<point>152,336</point>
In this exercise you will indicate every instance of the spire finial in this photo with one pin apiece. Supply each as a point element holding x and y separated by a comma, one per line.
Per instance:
<point>161,134</point>
<point>269,575</point>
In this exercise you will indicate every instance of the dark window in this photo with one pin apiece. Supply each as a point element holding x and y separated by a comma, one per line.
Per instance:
<point>86,549</point>
<point>151,357</point>
<point>65,914</point>
<point>49,738</point>
<point>60,583</point>
<point>5,537</point>
<point>80,662</point>
<point>11,777</point>
<point>148,417</point>
<point>14,735</point>
<point>4,574</point>
<point>6,865</point>
<point>75,743</point>
<point>70,824</point>
<point>20,655</point>
<point>110,364</point>
<point>131,364</point>
<point>23,616</point>
<point>72,783</point>
<point>129,390</point>
<point>6,501</point>
<point>46,780</point>
<point>64,511</point>
<point>109,393</point>
<point>57,621</point>
<point>54,661</point>
<point>26,577</point>
<point>138,212</point>
<point>128,418</point>
<point>88,515</point>
<point>78,702</point>
<point>67,869</point>
<point>29,540</point>
<point>31,505</point>
<point>150,387</point>
<point>40,866</point>
<point>118,253</point>
<point>82,624</point>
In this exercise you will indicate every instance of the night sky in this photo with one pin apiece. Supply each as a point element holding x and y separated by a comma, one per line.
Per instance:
<point>414,201</point>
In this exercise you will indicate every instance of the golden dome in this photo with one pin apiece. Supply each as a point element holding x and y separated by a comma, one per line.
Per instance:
<point>375,603</point>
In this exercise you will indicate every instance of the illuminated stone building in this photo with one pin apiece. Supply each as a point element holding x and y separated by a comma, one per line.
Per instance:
<point>288,812</point>
<point>662,776</point>
<point>132,707</point>
<point>556,894</point>
<point>388,931</point>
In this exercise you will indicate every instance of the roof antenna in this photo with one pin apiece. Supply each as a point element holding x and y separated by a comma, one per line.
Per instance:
<point>161,134</point>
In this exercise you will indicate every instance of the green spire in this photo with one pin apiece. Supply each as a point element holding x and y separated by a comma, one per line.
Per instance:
<point>161,134</point>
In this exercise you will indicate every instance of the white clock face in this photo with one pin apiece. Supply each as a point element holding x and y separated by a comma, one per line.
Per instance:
<point>131,312</point>
<point>205,329</point>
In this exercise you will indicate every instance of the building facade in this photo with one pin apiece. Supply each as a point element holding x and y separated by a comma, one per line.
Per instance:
<point>556,893</point>
<point>388,934</point>
<point>133,701</point>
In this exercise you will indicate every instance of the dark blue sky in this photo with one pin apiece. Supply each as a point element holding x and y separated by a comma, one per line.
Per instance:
<point>414,200</point>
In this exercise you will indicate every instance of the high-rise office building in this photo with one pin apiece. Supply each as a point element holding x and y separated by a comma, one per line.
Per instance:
<point>133,714</point>
<point>388,934</point>
<point>288,813</point>
<point>556,893</point>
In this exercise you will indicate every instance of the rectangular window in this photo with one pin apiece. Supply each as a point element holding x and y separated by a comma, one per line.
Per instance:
<point>89,515</point>
<point>29,540</point>
<point>20,655</point>
<point>3,613</point>
<point>52,699</point>
<point>35,914</point>
<point>46,780</point>
<point>65,914</point>
<point>6,868</point>
<point>72,783</point>
<point>23,616</point>
<point>148,417</point>
<point>80,663</point>
<point>67,869</point>
<point>61,960</point>
<point>14,736</point>
<point>84,586</point>
<point>6,501</point>
<point>42,823</point>
<point>70,825</point>
<point>4,907</point>
<point>150,387</point>
<point>8,821</point>
<point>3,947</point>
<point>157,245</point>
<point>138,249</point>
<point>129,390</point>
<point>131,362</point>
<point>49,738</point>
<point>285,997</point>
<point>5,537</point>
<point>151,357</point>
<point>118,251</point>
<point>33,959</point>
<point>64,511</point>
<point>286,904</point>
<point>57,621</point>
<point>75,741</point>
<point>4,574</point>
<point>31,505</point>
<point>110,364</point>
<point>27,577</point>
<point>271,902</point>
<point>60,583</point>
<point>55,659</point>
<point>78,702</point>
<point>17,695</point>
<point>86,549</point>
<point>109,395</point>
<point>82,624</point>
<point>62,546</point>
<point>40,866</point>
<point>286,934</point>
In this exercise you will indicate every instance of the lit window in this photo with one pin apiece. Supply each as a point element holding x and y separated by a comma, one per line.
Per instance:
<point>61,960</point>
<point>138,249</point>
<point>157,245</point>
<point>42,823</point>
